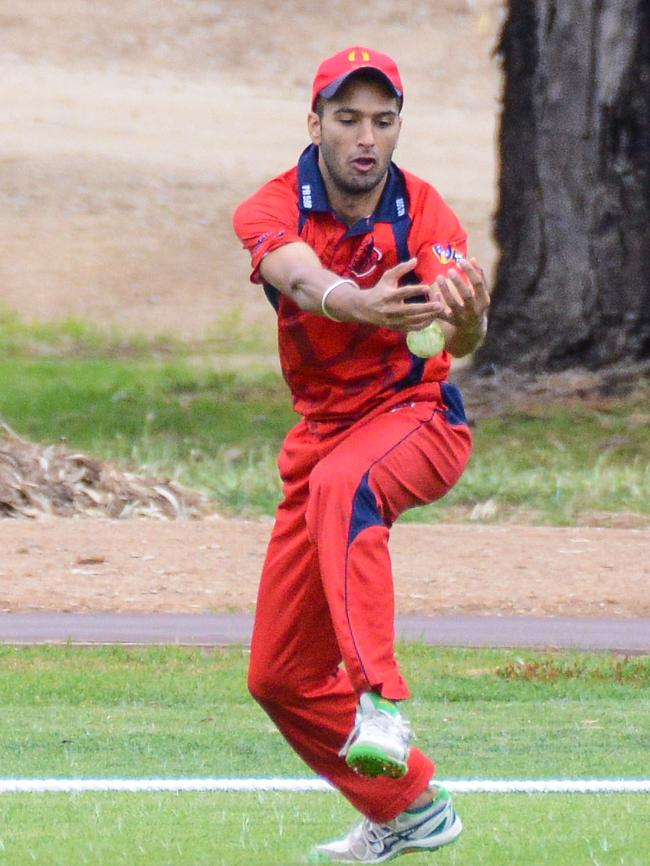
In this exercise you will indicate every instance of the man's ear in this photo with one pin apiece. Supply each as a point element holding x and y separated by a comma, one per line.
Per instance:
<point>314,128</point>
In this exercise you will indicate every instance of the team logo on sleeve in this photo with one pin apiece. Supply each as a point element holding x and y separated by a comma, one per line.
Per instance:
<point>447,254</point>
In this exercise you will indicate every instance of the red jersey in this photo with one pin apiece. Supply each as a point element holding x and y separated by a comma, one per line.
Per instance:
<point>339,371</point>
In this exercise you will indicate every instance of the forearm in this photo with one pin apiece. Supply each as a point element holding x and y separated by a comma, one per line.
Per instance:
<point>297,272</point>
<point>324,292</point>
<point>460,342</point>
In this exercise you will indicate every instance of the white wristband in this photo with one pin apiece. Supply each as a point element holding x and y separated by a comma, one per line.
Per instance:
<point>327,293</point>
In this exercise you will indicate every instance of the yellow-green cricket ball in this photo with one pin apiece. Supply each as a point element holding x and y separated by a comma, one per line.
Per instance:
<point>426,343</point>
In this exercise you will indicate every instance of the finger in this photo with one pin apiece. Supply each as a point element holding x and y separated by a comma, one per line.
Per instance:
<point>445,312</point>
<point>449,294</point>
<point>407,312</point>
<point>412,315</point>
<point>429,313</point>
<point>483,292</point>
<point>476,276</point>
<point>436,297</point>
<point>463,287</point>
<point>474,263</point>
<point>400,269</point>
<point>418,326</point>
<point>411,290</point>
<point>411,325</point>
<point>471,290</point>
<point>423,322</point>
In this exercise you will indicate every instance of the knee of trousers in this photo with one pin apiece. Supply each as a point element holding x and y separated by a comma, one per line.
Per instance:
<point>270,687</point>
<point>332,486</point>
<point>262,686</point>
<point>282,685</point>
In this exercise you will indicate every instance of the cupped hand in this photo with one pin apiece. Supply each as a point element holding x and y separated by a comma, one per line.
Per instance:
<point>467,300</point>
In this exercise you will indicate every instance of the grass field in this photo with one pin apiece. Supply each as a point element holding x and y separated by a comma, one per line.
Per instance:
<point>218,427</point>
<point>277,830</point>
<point>118,712</point>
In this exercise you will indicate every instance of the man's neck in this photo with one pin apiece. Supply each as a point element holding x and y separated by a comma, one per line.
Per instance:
<point>351,207</point>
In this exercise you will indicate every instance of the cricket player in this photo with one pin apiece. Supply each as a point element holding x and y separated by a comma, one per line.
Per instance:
<point>354,253</point>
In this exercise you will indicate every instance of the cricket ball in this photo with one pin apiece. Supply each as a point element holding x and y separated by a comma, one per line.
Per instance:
<point>426,343</point>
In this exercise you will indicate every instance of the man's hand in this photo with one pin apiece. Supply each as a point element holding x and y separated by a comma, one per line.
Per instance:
<point>466,302</point>
<point>385,304</point>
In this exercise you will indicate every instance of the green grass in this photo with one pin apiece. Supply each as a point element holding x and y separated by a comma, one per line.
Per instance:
<point>194,418</point>
<point>118,402</point>
<point>117,711</point>
<point>558,462</point>
<point>68,337</point>
<point>169,711</point>
<point>278,830</point>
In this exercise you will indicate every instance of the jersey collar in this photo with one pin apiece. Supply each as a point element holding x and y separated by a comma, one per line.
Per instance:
<point>312,195</point>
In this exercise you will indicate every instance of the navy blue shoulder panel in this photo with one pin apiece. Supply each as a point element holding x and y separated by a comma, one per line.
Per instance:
<point>402,225</point>
<point>401,230</point>
<point>312,195</point>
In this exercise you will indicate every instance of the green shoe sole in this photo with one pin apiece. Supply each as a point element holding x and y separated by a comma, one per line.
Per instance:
<point>369,761</point>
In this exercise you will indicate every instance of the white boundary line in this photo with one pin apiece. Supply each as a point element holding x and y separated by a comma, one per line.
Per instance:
<point>465,786</point>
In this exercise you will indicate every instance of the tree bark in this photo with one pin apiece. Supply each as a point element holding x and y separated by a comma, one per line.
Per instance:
<point>573,223</point>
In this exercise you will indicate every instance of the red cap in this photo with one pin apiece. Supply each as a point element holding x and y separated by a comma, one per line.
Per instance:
<point>332,72</point>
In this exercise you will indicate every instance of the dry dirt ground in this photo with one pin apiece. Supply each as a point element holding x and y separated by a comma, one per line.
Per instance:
<point>130,130</point>
<point>208,565</point>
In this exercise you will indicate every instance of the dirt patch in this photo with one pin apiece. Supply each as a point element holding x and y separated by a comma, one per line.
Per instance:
<point>214,565</point>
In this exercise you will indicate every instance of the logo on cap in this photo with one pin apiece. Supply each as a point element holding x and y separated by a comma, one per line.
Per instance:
<point>333,72</point>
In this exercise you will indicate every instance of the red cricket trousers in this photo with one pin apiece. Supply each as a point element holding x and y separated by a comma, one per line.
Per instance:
<point>326,592</point>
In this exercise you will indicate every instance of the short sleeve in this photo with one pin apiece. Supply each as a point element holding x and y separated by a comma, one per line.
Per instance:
<point>437,238</point>
<point>267,220</point>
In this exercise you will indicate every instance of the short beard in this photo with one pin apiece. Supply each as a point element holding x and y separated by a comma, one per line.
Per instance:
<point>350,186</point>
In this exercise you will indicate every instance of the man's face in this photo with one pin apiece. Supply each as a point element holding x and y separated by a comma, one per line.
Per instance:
<point>357,136</point>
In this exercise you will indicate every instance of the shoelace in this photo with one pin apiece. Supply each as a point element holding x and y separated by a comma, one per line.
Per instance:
<point>379,721</point>
<point>367,838</point>
<point>370,837</point>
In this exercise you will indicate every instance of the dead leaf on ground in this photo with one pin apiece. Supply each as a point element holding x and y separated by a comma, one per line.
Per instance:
<point>36,480</point>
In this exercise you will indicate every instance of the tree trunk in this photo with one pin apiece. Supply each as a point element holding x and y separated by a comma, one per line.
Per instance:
<point>573,223</point>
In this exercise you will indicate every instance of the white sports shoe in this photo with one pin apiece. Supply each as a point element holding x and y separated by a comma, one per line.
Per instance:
<point>379,742</point>
<point>425,830</point>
